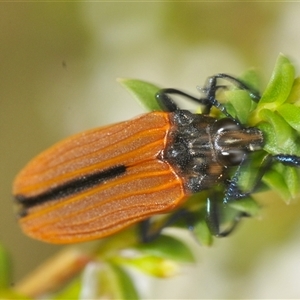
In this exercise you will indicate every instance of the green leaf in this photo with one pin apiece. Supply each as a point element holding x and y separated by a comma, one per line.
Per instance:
<point>278,89</point>
<point>5,269</point>
<point>70,291</point>
<point>159,258</point>
<point>276,181</point>
<point>280,85</point>
<point>250,170</point>
<point>242,104</point>
<point>167,247</point>
<point>291,114</point>
<point>280,137</point>
<point>202,233</point>
<point>292,179</point>
<point>294,96</point>
<point>121,283</point>
<point>251,78</point>
<point>142,91</point>
<point>152,265</point>
<point>283,179</point>
<point>246,205</point>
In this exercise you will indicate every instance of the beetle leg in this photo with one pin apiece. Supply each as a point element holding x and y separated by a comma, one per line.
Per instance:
<point>213,216</point>
<point>212,84</point>
<point>216,209</point>
<point>211,88</point>
<point>234,193</point>
<point>214,212</point>
<point>286,159</point>
<point>168,104</point>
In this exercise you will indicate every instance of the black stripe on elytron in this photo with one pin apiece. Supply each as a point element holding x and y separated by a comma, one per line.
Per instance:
<point>69,188</point>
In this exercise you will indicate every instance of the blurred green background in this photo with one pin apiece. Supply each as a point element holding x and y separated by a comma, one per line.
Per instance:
<point>58,68</point>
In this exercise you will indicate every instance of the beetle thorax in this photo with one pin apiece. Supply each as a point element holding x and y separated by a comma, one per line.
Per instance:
<point>202,149</point>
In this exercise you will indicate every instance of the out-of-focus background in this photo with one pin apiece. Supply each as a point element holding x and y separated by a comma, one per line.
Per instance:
<point>58,68</point>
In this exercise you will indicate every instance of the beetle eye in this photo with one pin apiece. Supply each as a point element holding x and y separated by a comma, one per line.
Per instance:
<point>232,157</point>
<point>229,142</point>
<point>227,124</point>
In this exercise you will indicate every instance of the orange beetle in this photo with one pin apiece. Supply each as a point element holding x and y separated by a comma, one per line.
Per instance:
<point>100,181</point>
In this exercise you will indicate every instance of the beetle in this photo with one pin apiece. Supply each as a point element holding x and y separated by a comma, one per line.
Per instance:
<point>99,182</point>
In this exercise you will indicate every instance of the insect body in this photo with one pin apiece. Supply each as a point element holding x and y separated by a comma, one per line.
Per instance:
<point>101,181</point>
